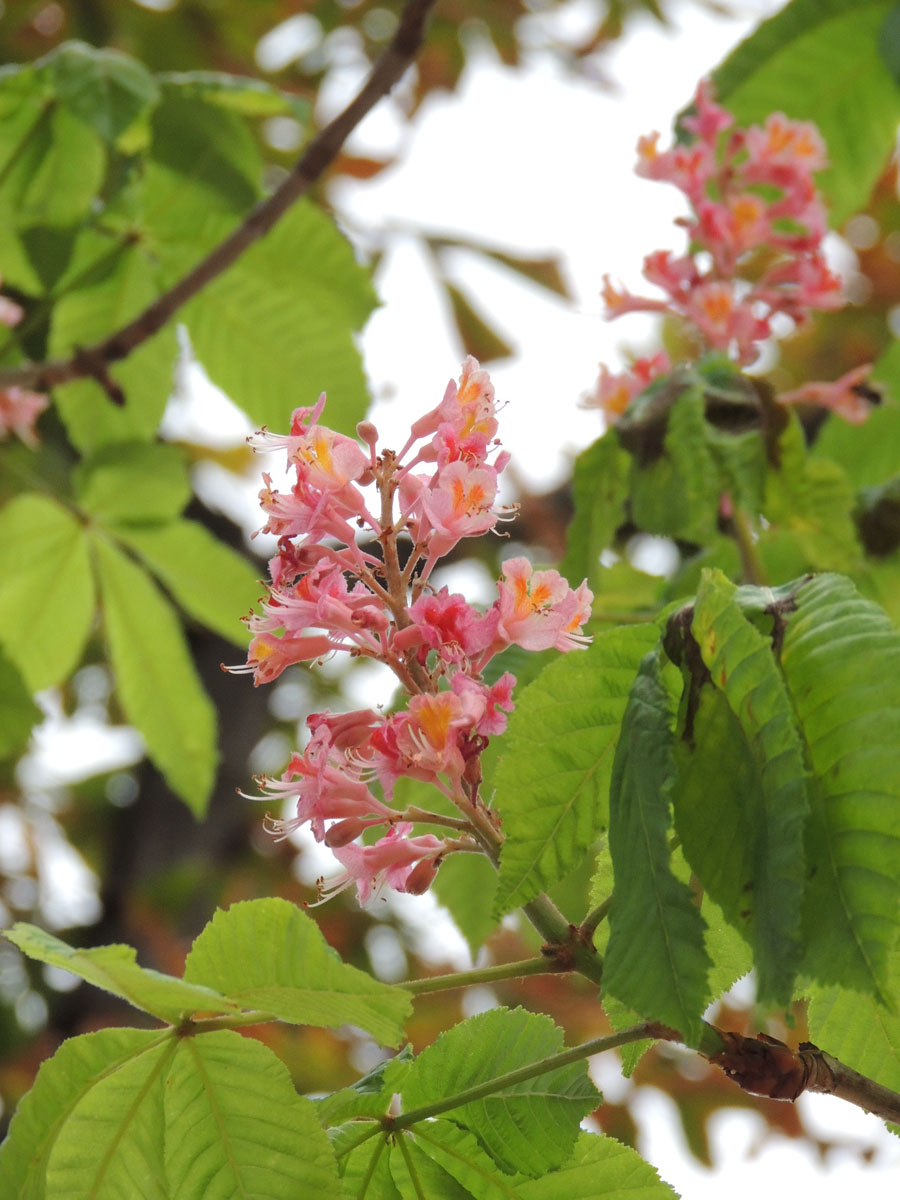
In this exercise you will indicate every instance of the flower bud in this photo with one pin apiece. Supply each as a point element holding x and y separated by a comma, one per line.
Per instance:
<point>343,832</point>
<point>421,877</point>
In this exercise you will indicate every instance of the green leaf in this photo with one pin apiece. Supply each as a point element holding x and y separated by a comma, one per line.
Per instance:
<point>841,661</point>
<point>18,712</point>
<point>104,88</point>
<point>366,1170</point>
<point>271,956</point>
<point>655,960</point>
<point>460,1154</point>
<point>466,885</point>
<point>370,1096</point>
<point>213,583</point>
<point>889,41</point>
<point>528,1127</point>
<point>819,60</point>
<point>417,1176</point>
<point>599,491</point>
<point>114,968</point>
<point>61,1083</point>
<point>551,783</point>
<point>478,337</point>
<point>601,1167</point>
<point>235,1126</point>
<point>278,327</point>
<point>236,93</point>
<point>46,589</point>
<point>113,1141</point>
<point>133,482</point>
<point>125,285</point>
<point>858,1031</point>
<point>744,837</point>
<point>156,682</point>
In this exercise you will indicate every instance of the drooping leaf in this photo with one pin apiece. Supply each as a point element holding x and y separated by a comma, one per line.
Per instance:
<point>18,712</point>
<point>211,582</point>
<point>46,589</point>
<point>271,956</point>
<point>841,662</point>
<point>466,885</point>
<point>106,89</point>
<point>115,969</point>
<point>236,93</point>
<point>655,962</point>
<point>599,490</point>
<point>127,283</point>
<point>600,1168</point>
<point>61,1083</point>
<point>477,336</point>
<point>133,482</point>
<point>156,681</point>
<point>235,1126</point>
<point>819,60</point>
<point>551,783</point>
<point>528,1127</point>
<point>742,805</point>
<point>277,328</point>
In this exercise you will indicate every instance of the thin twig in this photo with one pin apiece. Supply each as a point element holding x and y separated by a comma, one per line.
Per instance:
<point>320,153</point>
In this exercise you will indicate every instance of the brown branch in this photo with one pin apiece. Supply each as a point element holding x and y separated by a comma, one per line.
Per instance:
<point>320,153</point>
<point>767,1067</point>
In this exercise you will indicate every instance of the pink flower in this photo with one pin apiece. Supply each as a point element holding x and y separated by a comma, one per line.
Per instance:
<point>614,393</point>
<point>389,863</point>
<point>445,623</point>
<point>538,609</point>
<point>19,409</point>
<point>458,504</point>
<point>268,655</point>
<point>849,396</point>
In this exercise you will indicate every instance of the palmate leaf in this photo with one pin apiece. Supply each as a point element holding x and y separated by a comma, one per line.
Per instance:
<point>214,1115</point>
<point>741,801</point>
<point>115,969</point>
<point>61,1083</point>
<point>820,60</point>
<point>46,589</point>
<point>551,783</point>
<point>528,1127</point>
<point>655,961</point>
<point>155,678</point>
<point>841,662</point>
<point>272,957</point>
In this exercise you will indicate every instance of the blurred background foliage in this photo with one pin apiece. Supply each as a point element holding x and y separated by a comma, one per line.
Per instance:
<point>116,855</point>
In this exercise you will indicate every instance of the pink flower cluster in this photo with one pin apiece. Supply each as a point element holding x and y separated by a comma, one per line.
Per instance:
<point>19,407</point>
<point>755,230</point>
<point>338,583</point>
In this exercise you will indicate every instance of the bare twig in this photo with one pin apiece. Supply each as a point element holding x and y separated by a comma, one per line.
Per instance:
<point>320,153</point>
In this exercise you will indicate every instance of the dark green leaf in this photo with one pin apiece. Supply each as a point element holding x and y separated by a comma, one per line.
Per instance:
<point>741,803</point>
<point>133,482</point>
<point>528,1127</point>
<point>599,490</point>
<point>46,589</point>
<point>211,582</point>
<point>156,682</point>
<point>477,336</point>
<point>115,969</point>
<point>819,60</point>
<point>106,89</point>
<point>271,956</point>
<point>61,1083</point>
<point>551,783</point>
<point>655,961</point>
<point>841,661</point>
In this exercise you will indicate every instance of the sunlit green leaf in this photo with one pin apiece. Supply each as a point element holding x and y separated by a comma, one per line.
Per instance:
<point>104,88</point>
<point>600,1168</point>
<point>18,712</point>
<point>133,482</point>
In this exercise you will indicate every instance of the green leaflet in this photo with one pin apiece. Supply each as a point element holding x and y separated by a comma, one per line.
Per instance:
<point>270,956</point>
<point>133,482</point>
<point>366,1170</point>
<point>213,583</point>
<point>858,1031</point>
<point>528,1127</point>
<point>459,1152</point>
<point>552,780</point>
<point>107,90</point>
<point>278,326</point>
<point>115,969</point>
<point>466,885</point>
<point>155,677</point>
<point>237,93</point>
<point>46,589</point>
<point>599,491</point>
<point>99,304</point>
<point>370,1096</point>
<point>214,1115</point>
<point>741,800</point>
<point>61,1083</point>
<point>600,1167</point>
<point>841,662</point>
<point>820,60</point>
<point>655,961</point>
<point>18,712</point>
<point>417,1176</point>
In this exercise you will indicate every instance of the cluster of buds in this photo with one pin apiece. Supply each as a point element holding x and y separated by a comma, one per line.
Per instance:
<point>350,577</point>
<point>19,407</point>
<point>755,231</point>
